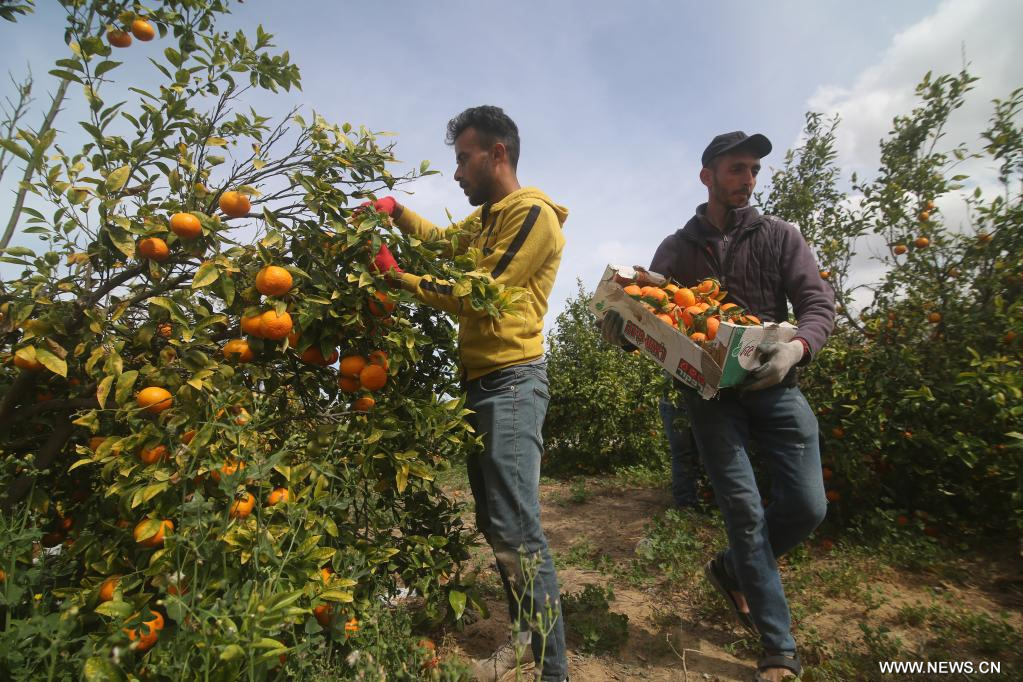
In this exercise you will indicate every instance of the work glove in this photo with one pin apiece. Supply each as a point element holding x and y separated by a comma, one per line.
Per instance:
<point>387,205</point>
<point>384,262</point>
<point>776,359</point>
<point>611,327</point>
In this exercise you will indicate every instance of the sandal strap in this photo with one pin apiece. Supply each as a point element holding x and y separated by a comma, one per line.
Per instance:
<point>777,660</point>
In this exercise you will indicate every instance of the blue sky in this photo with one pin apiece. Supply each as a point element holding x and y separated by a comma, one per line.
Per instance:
<point>614,101</point>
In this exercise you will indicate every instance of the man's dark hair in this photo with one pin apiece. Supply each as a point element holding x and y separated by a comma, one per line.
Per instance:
<point>492,124</point>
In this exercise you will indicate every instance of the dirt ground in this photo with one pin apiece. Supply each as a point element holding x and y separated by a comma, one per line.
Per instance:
<point>668,638</point>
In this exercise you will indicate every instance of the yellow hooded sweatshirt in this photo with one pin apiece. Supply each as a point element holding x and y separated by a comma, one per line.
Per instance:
<point>521,243</point>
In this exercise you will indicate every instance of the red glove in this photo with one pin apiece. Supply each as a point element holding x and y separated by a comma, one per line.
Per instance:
<point>385,205</point>
<point>384,261</point>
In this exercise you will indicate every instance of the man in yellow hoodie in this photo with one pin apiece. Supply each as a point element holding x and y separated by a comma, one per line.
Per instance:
<point>519,236</point>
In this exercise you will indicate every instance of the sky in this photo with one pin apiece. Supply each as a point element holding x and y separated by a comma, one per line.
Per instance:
<point>614,101</point>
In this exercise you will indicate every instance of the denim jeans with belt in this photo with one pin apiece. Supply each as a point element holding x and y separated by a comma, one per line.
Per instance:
<point>780,421</point>
<point>509,406</point>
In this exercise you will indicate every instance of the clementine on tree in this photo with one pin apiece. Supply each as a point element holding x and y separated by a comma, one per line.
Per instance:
<point>364,404</point>
<point>147,538</point>
<point>154,399</point>
<point>352,365</point>
<point>30,365</point>
<point>277,496</point>
<point>238,350</point>
<point>348,384</point>
<point>373,377</point>
<point>185,225</point>
<point>154,248</point>
<point>273,280</point>
<point>251,323</point>
<point>153,455</point>
<point>165,330</point>
<point>379,357</point>
<point>118,38</point>
<point>106,590</point>
<point>242,506</point>
<point>314,356</point>
<point>235,204</point>
<point>143,30</point>
<point>382,305</point>
<point>273,326</point>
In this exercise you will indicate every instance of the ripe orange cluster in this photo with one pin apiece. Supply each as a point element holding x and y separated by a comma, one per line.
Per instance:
<point>695,311</point>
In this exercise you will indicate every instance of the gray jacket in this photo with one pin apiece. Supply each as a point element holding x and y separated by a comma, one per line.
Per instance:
<point>762,262</point>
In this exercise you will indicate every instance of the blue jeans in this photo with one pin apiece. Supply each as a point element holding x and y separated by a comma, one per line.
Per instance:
<point>785,429</point>
<point>509,406</point>
<point>683,454</point>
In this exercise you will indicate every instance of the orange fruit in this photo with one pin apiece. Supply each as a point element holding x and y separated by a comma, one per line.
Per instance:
<point>30,365</point>
<point>106,590</point>
<point>983,237</point>
<point>154,399</point>
<point>379,357</point>
<point>148,633</point>
<point>118,38</point>
<point>293,338</point>
<point>373,377</point>
<point>712,327</point>
<point>633,291</point>
<point>364,404</point>
<point>655,296</point>
<point>827,544</point>
<point>748,319</point>
<point>934,318</point>
<point>833,496</point>
<point>666,319</point>
<point>921,242</point>
<point>689,313</point>
<point>381,304</point>
<point>165,330</point>
<point>325,573</point>
<point>825,274</point>
<point>273,280</point>
<point>684,297</point>
<point>250,324</point>
<point>352,365</point>
<point>899,249</point>
<point>154,248</point>
<point>838,432</point>
<point>153,455</point>
<point>235,204</point>
<point>708,287</point>
<point>313,355</point>
<point>155,540</point>
<point>273,326</point>
<point>924,216</point>
<point>143,30</point>
<point>324,615</point>
<point>226,470</point>
<point>238,350</point>
<point>698,337</point>
<point>95,442</point>
<point>187,436</point>
<point>348,384</point>
<point>185,225</point>
<point>242,506</point>
<point>277,496</point>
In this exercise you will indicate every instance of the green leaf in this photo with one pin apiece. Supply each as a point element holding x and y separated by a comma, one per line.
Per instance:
<point>216,142</point>
<point>122,239</point>
<point>231,652</point>
<point>148,493</point>
<point>16,149</point>
<point>206,275</point>
<point>345,596</point>
<point>106,66</point>
<point>51,362</point>
<point>103,390</point>
<point>125,384</point>
<point>116,608</point>
<point>117,177</point>
<point>457,600</point>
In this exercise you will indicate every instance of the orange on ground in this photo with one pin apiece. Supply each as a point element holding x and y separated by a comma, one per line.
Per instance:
<point>373,377</point>
<point>155,540</point>
<point>250,324</point>
<point>348,384</point>
<point>242,506</point>
<point>382,305</point>
<point>154,399</point>
<point>379,357</point>
<point>352,365</point>
<point>277,496</point>
<point>273,326</point>
<point>143,30</point>
<point>235,204</point>
<point>153,455</point>
<point>364,404</point>
<point>185,225</point>
<point>273,280</point>
<point>118,38</point>
<point>154,248</point>
<point>106,590</point>
<point>238,350</point>
<point>314,356</point>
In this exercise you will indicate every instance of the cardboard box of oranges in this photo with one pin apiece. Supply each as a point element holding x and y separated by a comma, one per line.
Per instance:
<point>693,332</point>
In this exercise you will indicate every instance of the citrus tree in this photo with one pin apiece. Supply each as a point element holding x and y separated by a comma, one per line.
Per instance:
<point>919,391</point>
<point>603,413</point>
<point>219,425</point>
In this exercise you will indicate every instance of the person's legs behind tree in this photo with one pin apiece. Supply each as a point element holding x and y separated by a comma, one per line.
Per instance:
<point>684,472</point>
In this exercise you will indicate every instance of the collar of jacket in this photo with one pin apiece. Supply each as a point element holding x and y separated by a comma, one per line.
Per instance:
<point>738,219</point>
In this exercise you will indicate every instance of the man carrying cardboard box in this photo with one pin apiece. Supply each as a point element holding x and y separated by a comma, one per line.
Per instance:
<point>504,373</point>
<point>763,263</point>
